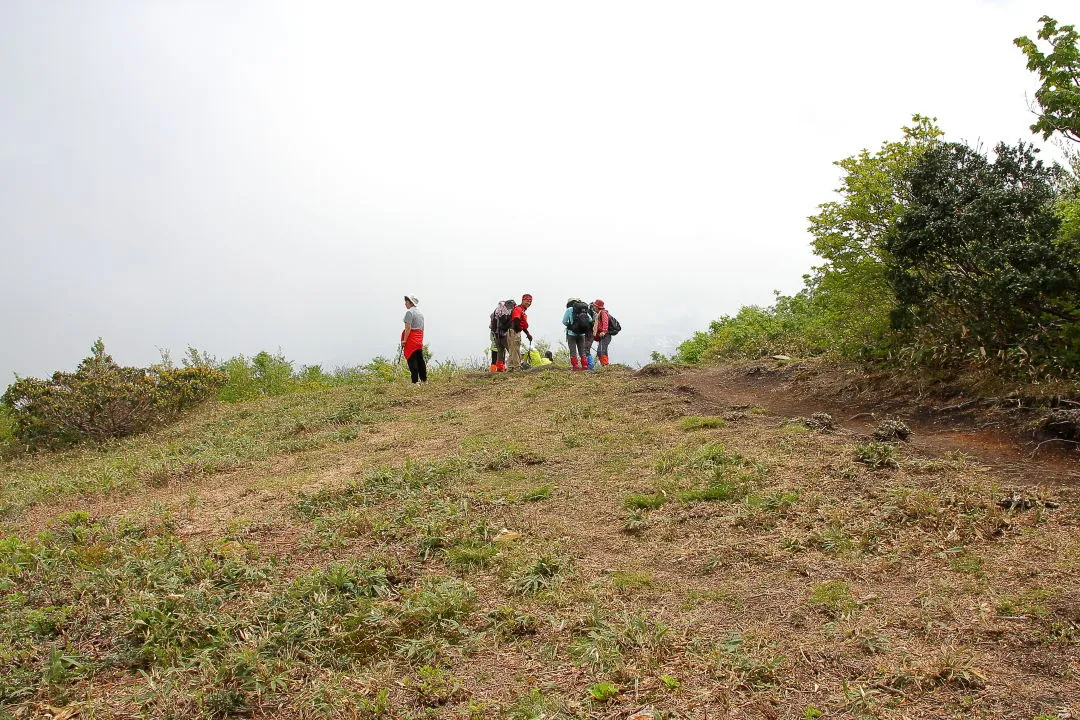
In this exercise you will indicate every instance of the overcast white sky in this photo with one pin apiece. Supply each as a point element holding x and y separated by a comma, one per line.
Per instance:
<point>241,176</point>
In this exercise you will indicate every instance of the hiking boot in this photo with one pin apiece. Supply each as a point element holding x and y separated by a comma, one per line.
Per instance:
<point>573,362</point>
<point>603,360</point>
<point>494,368</point>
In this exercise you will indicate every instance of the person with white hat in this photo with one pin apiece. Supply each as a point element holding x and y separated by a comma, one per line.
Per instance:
<point>412,340</point>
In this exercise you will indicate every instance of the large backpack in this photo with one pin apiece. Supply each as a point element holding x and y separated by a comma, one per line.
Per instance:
<point>500,318</point>
<point>613,326</point>
<point>580,320</point>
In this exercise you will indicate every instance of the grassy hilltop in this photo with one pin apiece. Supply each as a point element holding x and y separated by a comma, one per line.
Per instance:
<point>545,545</point>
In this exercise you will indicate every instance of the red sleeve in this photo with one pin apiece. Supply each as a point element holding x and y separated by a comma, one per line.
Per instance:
<point>517,319</point>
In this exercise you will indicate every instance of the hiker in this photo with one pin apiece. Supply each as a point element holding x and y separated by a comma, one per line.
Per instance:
<point>578,323</point>
<point>412,340</point>
<point>500,325</point>
<point>604,327</point>
<point>590,337</point>
<point>519,325</point>
<point>536,359</point>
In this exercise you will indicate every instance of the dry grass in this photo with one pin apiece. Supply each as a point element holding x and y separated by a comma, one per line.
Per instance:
<point>537,546</point>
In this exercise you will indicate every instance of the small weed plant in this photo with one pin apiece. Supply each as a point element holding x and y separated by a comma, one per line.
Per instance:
<point>877,455</point>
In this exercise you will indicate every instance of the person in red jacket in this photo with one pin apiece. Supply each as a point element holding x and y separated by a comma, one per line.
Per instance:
<point>601,325</point>
<point>519,325</point>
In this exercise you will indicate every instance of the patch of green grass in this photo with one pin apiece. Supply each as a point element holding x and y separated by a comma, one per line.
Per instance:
<point>574,440</point>
<point>834,597</point>
<point>470,555</point>
<point>639,501</point>
<point>752,664</point>
<point>717,492</point>
<point>695,422</point>
<point>434,686</point>
<point>720,595</point>
<point>627,580</point>
<point>548,382</point>
<point>540,493</point>
<point>708,457</point>
<point>606,641</point>
<point>778,501</point>
<point>536,706</point>
<point>215,439</point>
<point>966,563</point>
<point>206,615</point>
<point>508,622</point>
<point>575,412</point>
<point>540,576</point>
<point>1034,602</point>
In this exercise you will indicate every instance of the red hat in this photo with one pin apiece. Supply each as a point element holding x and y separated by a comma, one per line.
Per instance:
<point>525,297</point>
<point>599,304</point>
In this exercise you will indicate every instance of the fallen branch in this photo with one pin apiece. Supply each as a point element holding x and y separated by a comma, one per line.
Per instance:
<point>1071,442</point>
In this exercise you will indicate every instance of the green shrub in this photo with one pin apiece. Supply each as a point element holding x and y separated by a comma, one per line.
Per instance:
<point>7,427</point>
<point>261,376</point>
<point>102,400</point>
<point>877,455</point>
<point>755,332</point>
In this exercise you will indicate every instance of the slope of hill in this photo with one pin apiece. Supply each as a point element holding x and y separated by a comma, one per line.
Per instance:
<point>546,545</point>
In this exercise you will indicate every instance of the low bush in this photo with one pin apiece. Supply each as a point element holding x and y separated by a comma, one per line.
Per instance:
<point>102,400</point>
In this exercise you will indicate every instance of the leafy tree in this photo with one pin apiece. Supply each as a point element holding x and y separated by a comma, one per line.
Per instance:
<point>845,304</point>
<point>849,290</point>
<point>977,260</point>
<point>1059,70</point>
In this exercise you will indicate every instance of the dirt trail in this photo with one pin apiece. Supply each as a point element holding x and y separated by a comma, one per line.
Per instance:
<point>799,390</point>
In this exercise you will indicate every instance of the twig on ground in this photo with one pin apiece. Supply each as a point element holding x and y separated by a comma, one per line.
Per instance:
<point>1044,442</point>
<point>961,406</point>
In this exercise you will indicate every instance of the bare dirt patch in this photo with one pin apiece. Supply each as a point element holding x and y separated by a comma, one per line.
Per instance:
<point>998,435</point>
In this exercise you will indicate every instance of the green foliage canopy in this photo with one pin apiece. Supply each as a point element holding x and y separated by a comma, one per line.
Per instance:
<point>845,304</point>
<point>978,262</point>
<point>1059,70</point>
<point>851,296</point>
